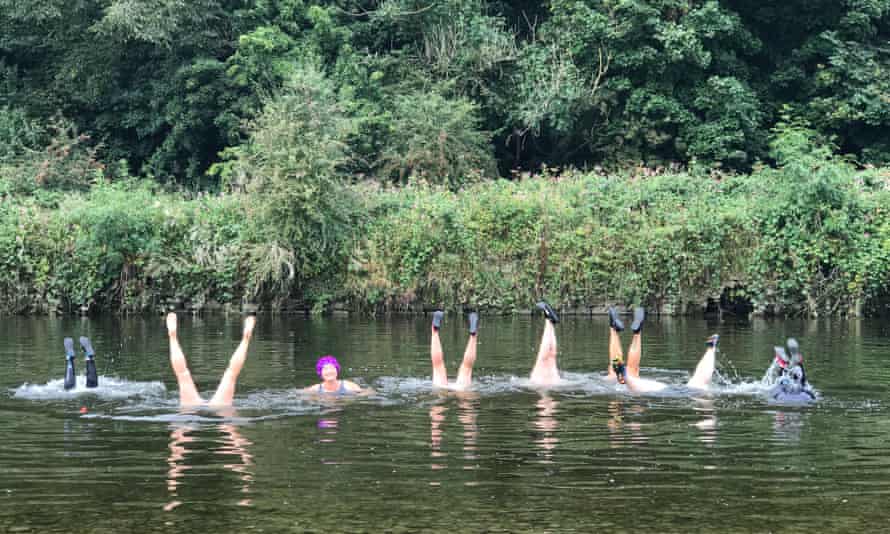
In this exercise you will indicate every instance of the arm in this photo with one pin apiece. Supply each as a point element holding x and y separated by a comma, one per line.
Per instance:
<point>310,389</point>
<point>352,387</point>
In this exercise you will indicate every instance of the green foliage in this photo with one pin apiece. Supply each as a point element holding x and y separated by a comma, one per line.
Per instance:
<point>436,139</point>
<point>168,84</point>
<point>121,246</point>
<point>291,165</point>
<point>66,162</point>
<point>801,240</point>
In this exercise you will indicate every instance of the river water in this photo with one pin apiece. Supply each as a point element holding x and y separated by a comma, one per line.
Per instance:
<point>585,457</point>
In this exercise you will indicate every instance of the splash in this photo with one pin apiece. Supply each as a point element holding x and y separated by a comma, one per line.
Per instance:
<point>109,388</point>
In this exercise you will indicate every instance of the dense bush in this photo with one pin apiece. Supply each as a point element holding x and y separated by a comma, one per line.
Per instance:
<point>812,237</point>
<point>809,238</point>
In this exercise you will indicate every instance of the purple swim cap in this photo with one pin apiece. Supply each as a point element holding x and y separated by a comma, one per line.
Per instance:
<point>325,360</point>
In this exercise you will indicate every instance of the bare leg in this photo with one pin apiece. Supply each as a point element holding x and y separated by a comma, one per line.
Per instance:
<point>704,370</point>
<point>437,357</point>
<point>634,352</point>
<point>226,389</point>
<point>188,393</point>
<point>545,372</point>
<point>614,352</point>
<point>465,374</point>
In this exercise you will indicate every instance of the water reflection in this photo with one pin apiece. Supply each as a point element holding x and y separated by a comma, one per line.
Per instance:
<point>708,422</point>
<point>547,425</point>
<point>233,446</point>
<point>328,426</point>
<point>788,425</point>
<point>619,422</point>
<point>467,415</point>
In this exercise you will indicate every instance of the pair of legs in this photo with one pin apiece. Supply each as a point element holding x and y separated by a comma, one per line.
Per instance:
<point>437,355</point>
<point>630,370</point>
<point>188,393</point>
<point>545,372</point>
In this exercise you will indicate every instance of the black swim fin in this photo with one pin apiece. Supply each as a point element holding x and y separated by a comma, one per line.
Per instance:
<point>548,311</point>
<point>614,320</point>
<point>70,376</point>
<point>92,375</point>
<point>639,317</point>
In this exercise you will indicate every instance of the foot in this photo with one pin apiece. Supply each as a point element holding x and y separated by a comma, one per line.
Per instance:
<point>438,315</point>
<point>548,312</point>
<point>87,347</point>
<point>639,317</point>
<point>712,341</point>
<point>249,323</point>
<point>473,318</point>
<point>614,322</point>
<point>171,324</point>
<point>69,348</point>
<point>794,349</point>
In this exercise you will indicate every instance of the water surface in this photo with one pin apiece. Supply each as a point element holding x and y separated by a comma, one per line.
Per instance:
<point>584,457</point>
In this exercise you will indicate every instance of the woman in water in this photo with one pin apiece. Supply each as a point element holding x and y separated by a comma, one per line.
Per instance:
<point>629,373</point>
<point>787,378</point>
<point>328,369</point>
<point>437,355</point>
<point>188,393</point>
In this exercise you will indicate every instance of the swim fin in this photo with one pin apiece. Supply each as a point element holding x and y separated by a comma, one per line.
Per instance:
<point>639,317</point>
<point>438,315</point>
<point>473,319</point>
<point>614,320</point>
<point>92,375</point>
<point>70,377</point>
<point>548,311</point>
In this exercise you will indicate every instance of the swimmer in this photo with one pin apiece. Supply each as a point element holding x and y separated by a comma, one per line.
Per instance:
<point>545,372</point>
<point>188,393</point>
<point>629,372</point>
<point>92,378</point>
<point>437,356</point>
<point>787,376</point>
<point>328,369</point>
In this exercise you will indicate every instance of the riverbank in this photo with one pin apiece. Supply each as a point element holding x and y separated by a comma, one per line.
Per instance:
<point>807,241</point>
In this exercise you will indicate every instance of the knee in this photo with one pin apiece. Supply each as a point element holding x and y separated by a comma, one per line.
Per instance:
<point>183,374</point>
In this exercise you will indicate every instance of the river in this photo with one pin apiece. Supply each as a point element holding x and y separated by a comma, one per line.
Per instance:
<point>506,457</point>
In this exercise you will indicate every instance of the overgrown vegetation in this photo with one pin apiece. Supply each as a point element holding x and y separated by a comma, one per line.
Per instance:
<point>810,237</point>
<point>397,153</point>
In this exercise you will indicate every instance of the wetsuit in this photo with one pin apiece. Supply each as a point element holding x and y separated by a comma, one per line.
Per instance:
<point>340,391</point>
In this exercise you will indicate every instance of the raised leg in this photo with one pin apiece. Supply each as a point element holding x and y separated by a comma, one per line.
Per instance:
<point>634,352</point>
<point>188,393</point>
<point>465,374</point>
<point>704,371</point>
<point>614,352</point>
<point>226,389</point>
<point>437,356</point>
<point>545,372</point>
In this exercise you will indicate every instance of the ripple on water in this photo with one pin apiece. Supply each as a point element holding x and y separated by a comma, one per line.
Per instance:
<point>109,388</point>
